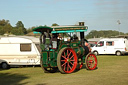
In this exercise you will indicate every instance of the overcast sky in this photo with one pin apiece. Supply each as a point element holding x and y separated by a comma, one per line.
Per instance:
<point>97,14</point>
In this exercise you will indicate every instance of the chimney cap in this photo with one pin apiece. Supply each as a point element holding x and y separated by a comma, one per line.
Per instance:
<point>81,23</point>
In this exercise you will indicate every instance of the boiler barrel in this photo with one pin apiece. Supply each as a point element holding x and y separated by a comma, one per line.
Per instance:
<point>80,51</point>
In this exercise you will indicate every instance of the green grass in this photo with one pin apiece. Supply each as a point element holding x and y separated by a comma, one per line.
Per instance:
<point>112,70</point>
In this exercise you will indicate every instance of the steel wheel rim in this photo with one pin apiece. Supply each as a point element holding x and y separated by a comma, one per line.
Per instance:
<point>118,53</point>
<point>91,61</point>
<point>68,60</point>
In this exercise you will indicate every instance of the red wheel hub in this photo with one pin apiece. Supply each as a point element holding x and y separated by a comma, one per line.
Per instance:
<point>91,61</point>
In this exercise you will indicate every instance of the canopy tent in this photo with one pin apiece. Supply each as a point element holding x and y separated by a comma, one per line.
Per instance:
<point>43,29</point>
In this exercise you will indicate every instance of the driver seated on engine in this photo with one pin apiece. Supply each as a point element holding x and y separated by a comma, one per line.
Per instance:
<point>87,48</point>
<point>74,38</point>
<point>46,41</point>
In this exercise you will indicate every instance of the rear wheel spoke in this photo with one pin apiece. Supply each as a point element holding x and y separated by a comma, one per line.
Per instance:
<point>71,56</point>
<point>64,67</point>
<point>72,60</point>
<point>64,57</point>
<point>68,67</point>
<point>71,63</point>
<point>64,64</point>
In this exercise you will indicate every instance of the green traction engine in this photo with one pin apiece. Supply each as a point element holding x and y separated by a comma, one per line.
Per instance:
<point>63,49</point>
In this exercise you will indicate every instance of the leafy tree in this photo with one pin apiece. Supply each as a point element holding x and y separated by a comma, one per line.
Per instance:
<point>5,27</point>
<point>4,22</point>
<point>16,31</point>
<point>30,29</point>
<point>21,31</point>
<point>2,31</point>
<point>126,33</point>
<point>20,25</point>
<point>55,24</point>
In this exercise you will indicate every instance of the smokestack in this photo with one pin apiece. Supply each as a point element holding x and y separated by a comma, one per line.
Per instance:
<point>81,23</point>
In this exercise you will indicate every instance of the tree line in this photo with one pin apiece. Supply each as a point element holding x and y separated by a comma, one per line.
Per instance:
<point>6,28</point>
<point>104,34</point>
<point>19,29</point>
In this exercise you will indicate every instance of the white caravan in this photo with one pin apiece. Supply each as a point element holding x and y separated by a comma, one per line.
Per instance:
<point>19,51</point>
<point>116,46</point>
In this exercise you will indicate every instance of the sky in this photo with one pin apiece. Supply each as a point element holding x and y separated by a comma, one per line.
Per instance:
<point>97,14</point>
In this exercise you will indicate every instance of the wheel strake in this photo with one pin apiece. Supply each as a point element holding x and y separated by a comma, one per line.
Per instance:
<point>91,61</point>
<point>68,60</point>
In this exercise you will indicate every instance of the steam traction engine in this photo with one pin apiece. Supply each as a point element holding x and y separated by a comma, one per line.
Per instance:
<point>63,50</point>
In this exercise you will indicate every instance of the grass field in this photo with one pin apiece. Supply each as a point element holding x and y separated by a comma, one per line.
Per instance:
<point>112,70</point>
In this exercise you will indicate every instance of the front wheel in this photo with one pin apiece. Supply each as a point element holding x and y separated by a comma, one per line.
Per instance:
<point>95,52</point>
<point>91,61</point>
<point>5,65</point>
<point>118,53</point>
<point>67,60</point>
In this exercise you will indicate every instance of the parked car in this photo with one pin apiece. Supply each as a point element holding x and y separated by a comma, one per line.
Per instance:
<point>116,46</point>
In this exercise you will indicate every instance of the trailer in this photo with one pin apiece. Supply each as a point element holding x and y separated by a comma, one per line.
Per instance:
<point>64,51</point>
<point>117,46</point>
<point>19,51</point>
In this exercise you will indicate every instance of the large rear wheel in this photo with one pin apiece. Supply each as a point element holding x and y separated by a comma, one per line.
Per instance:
<point>91,61</point>
<point>67,60</point>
